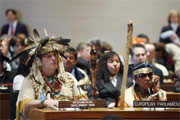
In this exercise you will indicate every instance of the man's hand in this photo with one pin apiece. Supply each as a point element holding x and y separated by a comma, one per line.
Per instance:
<point>173,37</point>
<point>52,104</point>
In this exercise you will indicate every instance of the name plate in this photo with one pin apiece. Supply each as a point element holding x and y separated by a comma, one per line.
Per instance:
<point>157,104</point>
<point>82,104</point>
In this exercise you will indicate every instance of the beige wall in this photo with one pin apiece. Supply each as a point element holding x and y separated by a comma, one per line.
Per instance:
<point>81,20</point>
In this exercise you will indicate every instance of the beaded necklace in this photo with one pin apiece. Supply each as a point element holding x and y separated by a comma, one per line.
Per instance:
<point>53,84</point>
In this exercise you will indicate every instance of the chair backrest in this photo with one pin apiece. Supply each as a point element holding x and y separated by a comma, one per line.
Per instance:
<point>13,98</point>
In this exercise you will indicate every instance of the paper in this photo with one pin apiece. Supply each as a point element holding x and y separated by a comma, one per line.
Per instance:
<point>167,34</point>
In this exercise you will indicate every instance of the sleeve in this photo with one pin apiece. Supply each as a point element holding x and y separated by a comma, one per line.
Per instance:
<point>167,40</point>
<point>25,95</point>
<point>85,80</point>
<point>24,30</point>
<point>78,93</point>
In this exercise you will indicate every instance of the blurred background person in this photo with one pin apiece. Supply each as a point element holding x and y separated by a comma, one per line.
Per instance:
<point>139,55</point>
<point>106,47</point>
<point>98,45</point>
<point>144,38</point>
<point>5,46</point>
<point>171,32</point>
<point>84,57</point>
<point>5,75</point>
<point>4,43</point>
<point>150,52</point>
<point>170,36</point>
<point>70,62</point>
<point>14,26</point>
<point>16,45</point>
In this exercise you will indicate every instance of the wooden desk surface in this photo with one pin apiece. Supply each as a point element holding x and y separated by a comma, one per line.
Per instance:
<point>98,113</point>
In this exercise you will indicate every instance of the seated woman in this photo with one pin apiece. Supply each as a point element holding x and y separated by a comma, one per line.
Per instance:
<point>109,78</point>
<point>147,86</point>
<point>47,83</point>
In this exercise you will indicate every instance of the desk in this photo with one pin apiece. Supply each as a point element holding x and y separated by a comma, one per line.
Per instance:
<point>173,96</point>
<point>98,113</point>
<point>4,105</point>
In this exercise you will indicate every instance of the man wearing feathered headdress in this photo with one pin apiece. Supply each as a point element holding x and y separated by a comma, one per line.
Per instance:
<point>47,82</point>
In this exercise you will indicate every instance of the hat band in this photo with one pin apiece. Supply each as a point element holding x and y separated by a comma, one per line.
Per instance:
<point>142,70</point>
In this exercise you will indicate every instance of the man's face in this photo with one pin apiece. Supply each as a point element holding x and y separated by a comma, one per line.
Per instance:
<point>174,18</point>
<point>150,52</point>
<point>49,63</point>
<point>144,80</point>
<point>139,55</point>
<point>4,47</point>
<point>18,48</point>
<point>85,53</point>
<point>71,60</point>
<point>11,17</point>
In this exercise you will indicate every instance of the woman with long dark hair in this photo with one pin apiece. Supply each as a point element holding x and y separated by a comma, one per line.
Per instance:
<point>109,78</point>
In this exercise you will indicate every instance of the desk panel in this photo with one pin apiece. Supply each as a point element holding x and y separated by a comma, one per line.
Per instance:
<point>4,105</point>
<point>98,113</point>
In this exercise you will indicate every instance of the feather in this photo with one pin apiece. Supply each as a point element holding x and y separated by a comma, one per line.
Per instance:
<point>36,36</point>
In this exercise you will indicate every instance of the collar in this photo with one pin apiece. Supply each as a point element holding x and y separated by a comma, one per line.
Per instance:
<point>14,23</point>
<point>114,77</point>
<point>73,72</point>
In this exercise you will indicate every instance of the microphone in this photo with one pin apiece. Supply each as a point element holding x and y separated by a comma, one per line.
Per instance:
<point>23,116</point>
<point>78,86</point>
<point>149,91</point>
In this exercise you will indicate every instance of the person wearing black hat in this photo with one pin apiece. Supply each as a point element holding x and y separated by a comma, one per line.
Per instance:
<point>5,76</point>
<point>147,86</point>
<point>138,53</point>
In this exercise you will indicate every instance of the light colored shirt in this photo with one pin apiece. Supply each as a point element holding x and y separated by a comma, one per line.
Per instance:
<point>17,82</point>
<point>73,72</point>
<point>114,80</point>
<point>14,27</point>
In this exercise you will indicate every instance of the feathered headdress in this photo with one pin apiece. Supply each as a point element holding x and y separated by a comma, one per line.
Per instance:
<point>40,46</point>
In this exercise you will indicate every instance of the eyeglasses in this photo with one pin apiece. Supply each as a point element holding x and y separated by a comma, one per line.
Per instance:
<point>142,75</point>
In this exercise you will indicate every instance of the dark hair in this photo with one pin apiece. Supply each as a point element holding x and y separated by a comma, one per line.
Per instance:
<point>24,68</point>
<point>111,117</point>
<point>136,46</point>
<point>106,47</point>
<point>72,50</point>
<point>96,42</point>
<point>82,45</point>
<point>11,10</point>
<point>103,72</point>
<point>143,36</point>
<point>3,58</point>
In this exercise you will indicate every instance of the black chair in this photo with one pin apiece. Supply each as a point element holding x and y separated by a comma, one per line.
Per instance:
<point>13,99</point>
